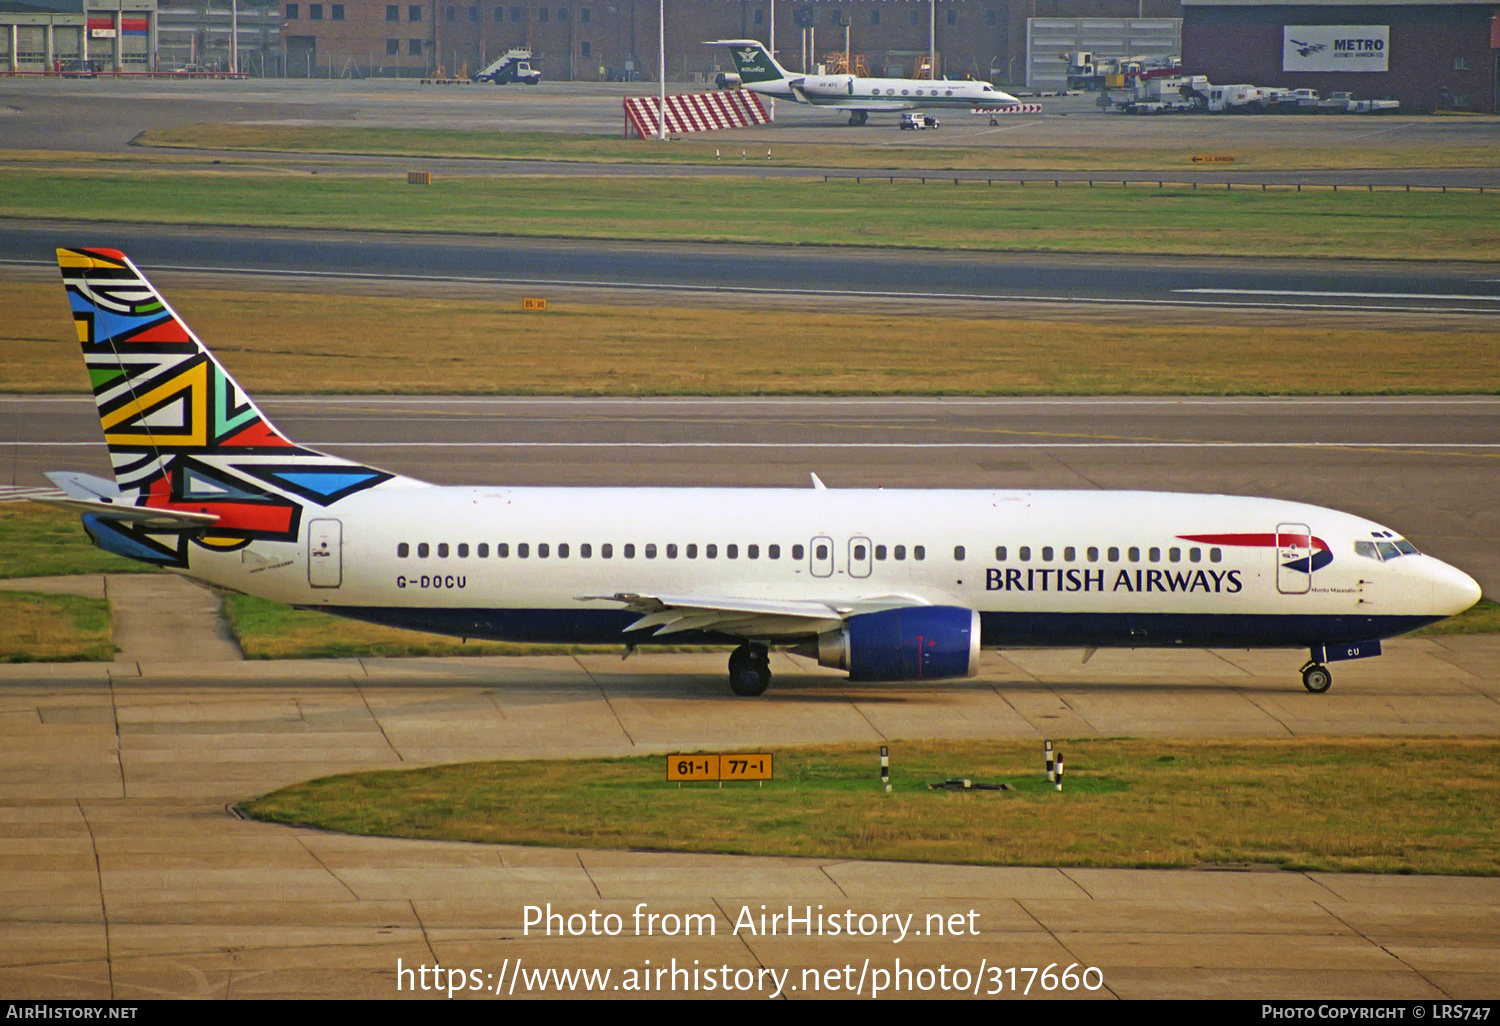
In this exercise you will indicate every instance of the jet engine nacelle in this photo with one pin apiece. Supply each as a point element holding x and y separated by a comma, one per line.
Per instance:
<point>912,643</point>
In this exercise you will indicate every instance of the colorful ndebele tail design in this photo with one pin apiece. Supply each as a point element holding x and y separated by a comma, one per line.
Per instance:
<point>182,436</point>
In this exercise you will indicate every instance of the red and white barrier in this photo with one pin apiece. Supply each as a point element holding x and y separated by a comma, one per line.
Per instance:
<point>694,112</point>
<point>1020,108</point>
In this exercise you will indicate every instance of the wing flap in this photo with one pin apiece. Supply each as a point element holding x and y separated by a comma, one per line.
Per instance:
<point>747,617</point>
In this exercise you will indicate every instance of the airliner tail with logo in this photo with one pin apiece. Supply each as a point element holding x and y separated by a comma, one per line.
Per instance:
<point>886,584</point>
<point>858,95</point>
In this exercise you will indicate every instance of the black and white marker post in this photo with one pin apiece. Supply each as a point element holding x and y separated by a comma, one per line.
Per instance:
<point>885,767</point>
<point>1047,753</point>
<point>1057,784</point>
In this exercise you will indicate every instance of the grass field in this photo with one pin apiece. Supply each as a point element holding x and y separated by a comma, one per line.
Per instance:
<point>1377,805</point>
<point>273,630</point>
<point>43,541</point>
<point>708,150</point>
<point>1278,223</point>
<point>53,628</point>
<point>289,342</point>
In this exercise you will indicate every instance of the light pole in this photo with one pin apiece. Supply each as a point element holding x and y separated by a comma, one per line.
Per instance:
<point>661,64</point>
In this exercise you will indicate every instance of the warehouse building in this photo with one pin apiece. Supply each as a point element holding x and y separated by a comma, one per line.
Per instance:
<point>1429,54</point>
<point>46,35</point>
<point>617,39</point>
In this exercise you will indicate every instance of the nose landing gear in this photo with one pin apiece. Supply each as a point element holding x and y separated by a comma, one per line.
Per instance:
<point>1316,678</point>
<point>749,670</point>
<point>858,117</point>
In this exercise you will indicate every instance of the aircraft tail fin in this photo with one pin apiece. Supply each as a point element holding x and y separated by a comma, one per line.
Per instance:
<point>753,61</point>
<point>183,436</point>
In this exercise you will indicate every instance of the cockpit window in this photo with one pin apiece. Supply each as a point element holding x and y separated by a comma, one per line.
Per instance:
<point>1385,550</point>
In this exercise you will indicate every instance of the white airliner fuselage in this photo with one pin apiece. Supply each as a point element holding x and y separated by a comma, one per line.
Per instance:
<point>886,584</point>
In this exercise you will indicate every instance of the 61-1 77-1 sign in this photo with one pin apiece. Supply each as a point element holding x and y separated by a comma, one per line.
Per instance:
<point>738,766</point>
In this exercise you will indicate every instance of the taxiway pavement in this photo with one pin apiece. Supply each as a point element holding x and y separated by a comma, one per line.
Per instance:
<point>126,876</point>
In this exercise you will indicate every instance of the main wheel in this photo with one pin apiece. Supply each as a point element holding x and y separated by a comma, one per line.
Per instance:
<point>749,670</point>
<point>1316,678</point>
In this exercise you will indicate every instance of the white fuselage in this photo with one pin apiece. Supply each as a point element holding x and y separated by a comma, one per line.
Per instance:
<point>1048,567</point>
<point>854,92</point>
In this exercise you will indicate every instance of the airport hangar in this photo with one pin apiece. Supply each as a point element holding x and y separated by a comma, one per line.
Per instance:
<point>1429,54</point>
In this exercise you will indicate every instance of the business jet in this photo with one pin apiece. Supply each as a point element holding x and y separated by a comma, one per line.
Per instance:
<point>889,585</point>
<point>760,73</point>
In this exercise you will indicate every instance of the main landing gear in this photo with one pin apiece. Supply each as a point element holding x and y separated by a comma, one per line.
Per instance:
<point>858,117</point>
<point>1316,678</point>
<point>749,670</point>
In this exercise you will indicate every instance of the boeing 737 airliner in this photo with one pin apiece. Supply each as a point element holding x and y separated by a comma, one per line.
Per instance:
<point>760,73</point>
<point>889,585</point>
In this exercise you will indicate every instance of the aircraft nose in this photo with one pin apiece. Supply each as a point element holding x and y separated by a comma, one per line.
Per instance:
<point>1453,591</point>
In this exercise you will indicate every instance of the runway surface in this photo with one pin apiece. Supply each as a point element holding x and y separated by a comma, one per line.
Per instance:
<point>1426,467</point>
<point>777,273</point>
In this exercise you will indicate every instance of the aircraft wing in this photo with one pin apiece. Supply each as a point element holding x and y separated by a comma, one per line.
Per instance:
<point>876,105</point>
<point>748,617</point>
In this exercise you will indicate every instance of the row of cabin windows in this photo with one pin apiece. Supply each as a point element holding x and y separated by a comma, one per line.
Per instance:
<point>543,550</point>
<point>1111,554</point>
<point>562,550</point>
<point>523,550</point>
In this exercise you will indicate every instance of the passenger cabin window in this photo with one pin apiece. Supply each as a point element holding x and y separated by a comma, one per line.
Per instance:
<point>1154,555</point>
<point>629,550</point>
<point>821,552</point>
<point>585,550</point>
<point>1000,553</point>
<point>1174,555</point>
<point>880,552</point>
<point>1114,554</point>
<point>860,550</point>
<point>958,553</point>
<point>403,550</point>
<point>1025,553</point>
<point>1135,554</point>
<point>918,552</point>
<point>502,550</point>
<point>1070,554</point>
<point>562,550</point>
<point>1093,554</point>
<point>710,552</point>
<point>442,550</point>
<point>651,550</point>
<point>606,551</point>
<point>1195,555</point>
<point>542,551</point>
<point>422,550</point>
<point>1047,553</point>
<point>772,552</point>
<point>463,550</point>
<point>900,552</point>
<point>523,550</point>
<point>484,550</point>
<point>692,551</point>
<point>798,552</point>
<point>672,550</point>
<point>1215,555</point>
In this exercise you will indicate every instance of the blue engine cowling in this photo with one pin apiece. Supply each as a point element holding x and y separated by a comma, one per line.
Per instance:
<point>911,643</point>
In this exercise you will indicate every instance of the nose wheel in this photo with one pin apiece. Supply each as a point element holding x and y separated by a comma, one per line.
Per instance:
<point>1316,678</point>
<point>749,670</point>
<point>858,117</point>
